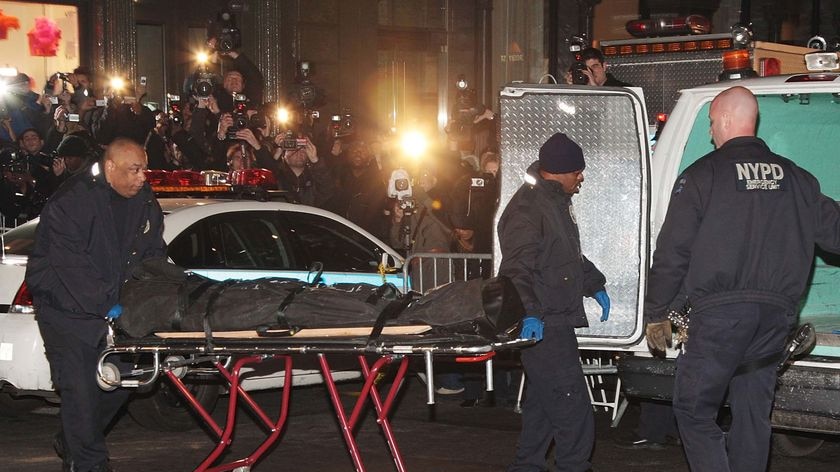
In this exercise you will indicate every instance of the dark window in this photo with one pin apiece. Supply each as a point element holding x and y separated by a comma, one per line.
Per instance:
<point>339,248</point>
<point>241,240</point>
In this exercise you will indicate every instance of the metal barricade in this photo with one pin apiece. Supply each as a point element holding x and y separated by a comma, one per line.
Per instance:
<point>423,271</point>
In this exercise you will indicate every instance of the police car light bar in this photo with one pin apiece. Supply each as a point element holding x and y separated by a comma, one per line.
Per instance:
<point>192,182</point>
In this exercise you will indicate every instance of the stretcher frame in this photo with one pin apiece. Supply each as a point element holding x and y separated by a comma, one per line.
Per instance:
<point>228,356</point>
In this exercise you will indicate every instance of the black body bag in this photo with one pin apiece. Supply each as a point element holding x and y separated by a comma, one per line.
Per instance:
<point>161,297</point>
<point>488,307</point>
<point>341,306</point>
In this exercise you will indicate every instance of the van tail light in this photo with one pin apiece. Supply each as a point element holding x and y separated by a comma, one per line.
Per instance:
<point>768,66</point>
<point>22,303</point>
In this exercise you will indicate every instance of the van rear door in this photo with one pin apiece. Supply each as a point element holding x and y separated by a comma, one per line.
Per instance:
<point>612,207</point>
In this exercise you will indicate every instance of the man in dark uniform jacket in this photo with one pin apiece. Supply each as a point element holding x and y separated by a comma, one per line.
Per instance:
<point>93,231</point>
<point>541,254</point>
<point>738,242</point>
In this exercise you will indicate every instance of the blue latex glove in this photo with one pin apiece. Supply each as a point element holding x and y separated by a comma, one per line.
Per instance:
<point>604,300</point>
<point>531,328</point>
<point>114,312</point>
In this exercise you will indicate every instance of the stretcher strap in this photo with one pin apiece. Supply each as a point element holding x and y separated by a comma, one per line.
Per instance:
<point>391,311</point>
<point>211,300</point>
<point>186,300</point>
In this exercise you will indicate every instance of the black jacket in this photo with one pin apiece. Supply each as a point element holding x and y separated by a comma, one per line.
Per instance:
<point>360,199</point>
<point>314,187</point>
<point>81,259</point>
<point>541,254</point>
<point>741,227</point>
<point>613,82</point>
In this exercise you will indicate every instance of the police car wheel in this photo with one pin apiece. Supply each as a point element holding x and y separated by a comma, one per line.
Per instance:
<point>11,406</point>
<point>164,409</point>
<point>795,445</point>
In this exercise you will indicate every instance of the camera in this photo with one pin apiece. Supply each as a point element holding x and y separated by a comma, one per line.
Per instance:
<point>228,36</point>
<point>203,85</point>
<point>291,141</point>
<point>576,45</point>
<point>342,125</point>
<point>399,185</point>
<point>240,116</point>
<point>14,164</point>
<point>578,76</point>
<point>175,112</point>
<point>305,94</point>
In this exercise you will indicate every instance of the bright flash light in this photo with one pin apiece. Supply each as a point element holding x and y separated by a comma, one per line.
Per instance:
<point>117,83</point>
<point>202,57</point>
<point>283,115</point>
<point>4,88</point>
<point>414,144</point>
<point>8,72</point>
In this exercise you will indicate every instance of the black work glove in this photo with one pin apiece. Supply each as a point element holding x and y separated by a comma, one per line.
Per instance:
<point>658,336</point>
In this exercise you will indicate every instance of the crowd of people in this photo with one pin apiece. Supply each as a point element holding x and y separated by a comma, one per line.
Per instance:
<point>46,138</point>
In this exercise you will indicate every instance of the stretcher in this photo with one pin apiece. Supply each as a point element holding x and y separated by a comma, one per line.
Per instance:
<point>225,354</point>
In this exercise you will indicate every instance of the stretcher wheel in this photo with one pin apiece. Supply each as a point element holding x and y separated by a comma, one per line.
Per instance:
<point>109,379</point>
<point>164,409</point>
<point>179,372</point>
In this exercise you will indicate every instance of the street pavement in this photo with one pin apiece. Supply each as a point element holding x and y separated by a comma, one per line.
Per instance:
<point>443,437</point>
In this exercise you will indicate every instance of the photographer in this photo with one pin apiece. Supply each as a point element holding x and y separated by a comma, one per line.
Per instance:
<point>78,114</point>
<point>593,67</point>
<point>242,75</point>
<point>26,179</point>
<point>75,154</point>
<point>360,196</point>
<point>19,109</point>
<point>419,222</point>
<point>169,146</point>
<point>125,116</point>
<point>299,170</point>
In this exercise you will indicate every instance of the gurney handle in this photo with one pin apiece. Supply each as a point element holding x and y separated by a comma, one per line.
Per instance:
<point>481,358</point>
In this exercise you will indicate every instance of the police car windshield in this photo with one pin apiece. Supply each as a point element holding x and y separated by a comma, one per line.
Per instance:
<point>19,241</point>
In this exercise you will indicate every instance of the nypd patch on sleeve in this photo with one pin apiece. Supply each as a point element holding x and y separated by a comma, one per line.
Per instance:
<point>759,176</point>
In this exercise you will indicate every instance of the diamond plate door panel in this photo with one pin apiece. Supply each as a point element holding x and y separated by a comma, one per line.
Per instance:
<point>611,207</point>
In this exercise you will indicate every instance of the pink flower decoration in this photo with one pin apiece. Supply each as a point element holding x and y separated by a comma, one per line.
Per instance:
<point>44,37</point>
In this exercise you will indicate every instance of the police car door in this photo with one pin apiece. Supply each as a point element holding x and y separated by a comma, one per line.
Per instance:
<point>612,208</point>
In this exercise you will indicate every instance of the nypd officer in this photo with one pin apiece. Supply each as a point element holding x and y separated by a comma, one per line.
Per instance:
<point>541,254</point>
<point>97,226</point>
<point>738,240</point>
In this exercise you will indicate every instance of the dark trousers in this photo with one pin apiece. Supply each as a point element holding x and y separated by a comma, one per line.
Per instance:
<point>721,339</point>
<point>557,406</point>
<point>657,422</point>
<point>86,410</point>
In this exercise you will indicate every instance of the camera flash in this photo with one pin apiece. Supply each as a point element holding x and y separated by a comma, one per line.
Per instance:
<point>117,83</point>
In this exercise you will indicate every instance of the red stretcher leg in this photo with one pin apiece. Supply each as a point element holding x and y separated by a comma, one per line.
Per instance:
<point>382,410</point>
<point>236,393</point>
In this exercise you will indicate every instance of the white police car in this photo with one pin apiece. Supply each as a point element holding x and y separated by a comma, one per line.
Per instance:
<point>220,239</point>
